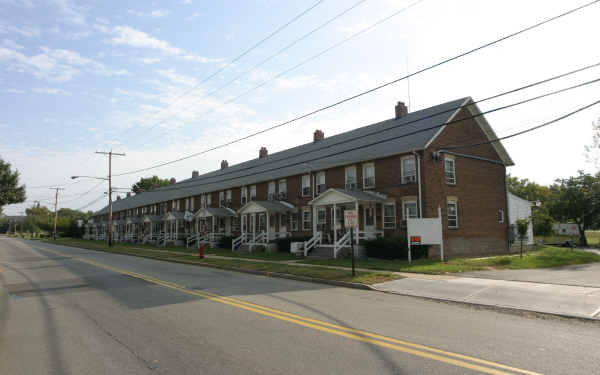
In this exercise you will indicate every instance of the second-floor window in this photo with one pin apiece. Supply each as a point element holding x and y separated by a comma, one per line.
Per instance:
<point>253,192</point>
<point>368,175</point>
<point>320,182</point>
<point>350,177</point>
<point>244,194</point>
<point>306,185</point>
<point>203,201</point>
<point>222,198</point>
<point>282,189</point>
<point>272,191</point>
<point>409,169</point>
<point>450,171</point>
<point>208,199</point>
<point>228,197</point>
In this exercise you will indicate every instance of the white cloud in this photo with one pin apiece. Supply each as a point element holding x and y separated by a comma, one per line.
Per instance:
<point>186,2</point>
<point>129,36</point>
<point>158,13</point>
<point>150,60</point>
<point>26,31</point>
<point>177,78</point>
<point>194,15</point>
<point>26,3</point>
<point>12,91</point>
<point>54,65</point>
<point>11,44</point>
<point>71,12</point>
<point>50,91</point>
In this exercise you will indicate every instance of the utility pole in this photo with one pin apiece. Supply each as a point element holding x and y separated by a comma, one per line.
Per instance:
<point>110,155</point>
<point>55,210</point>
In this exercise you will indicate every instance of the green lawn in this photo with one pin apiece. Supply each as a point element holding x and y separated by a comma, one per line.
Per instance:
<point>234,264</point>
<point>544,258</point>
<point>254,255</point>
<point>593,238</point>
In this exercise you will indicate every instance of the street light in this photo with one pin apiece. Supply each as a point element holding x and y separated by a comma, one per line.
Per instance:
<point>97,178</point>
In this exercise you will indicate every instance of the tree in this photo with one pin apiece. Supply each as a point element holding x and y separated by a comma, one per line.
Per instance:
<point>528,190</point>
<point>148,183</point>
<point>543,223</point>
<point>522,228</point>
<point>10,191</point>
<point>592,151</point>
<point>577,199</point>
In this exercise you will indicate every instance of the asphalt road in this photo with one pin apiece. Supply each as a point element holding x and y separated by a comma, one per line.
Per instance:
<point>73,311</point>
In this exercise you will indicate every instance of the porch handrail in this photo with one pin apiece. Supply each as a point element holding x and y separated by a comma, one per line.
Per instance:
<point>191,238</point>
<point>275,235</point>
<point>239,241</point>
<point>316,239</point>
<point>342,242</point>
<point>368,235</point>
<point>260,238</point>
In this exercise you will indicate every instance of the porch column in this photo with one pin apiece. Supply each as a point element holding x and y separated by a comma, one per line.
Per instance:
<point>334,224</point>
<point>358,221</point>
<point>268,224</point>
<point>176,229</point>
<point>314,221</point>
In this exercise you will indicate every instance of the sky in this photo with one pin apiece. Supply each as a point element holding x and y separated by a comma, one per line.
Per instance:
<point>158,80</point>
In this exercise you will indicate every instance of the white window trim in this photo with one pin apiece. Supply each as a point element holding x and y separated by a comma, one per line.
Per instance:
<point>309,221</point>
<point>501,216</point>
<point>303,186</point>
<point>393,224</point>
<point>347,184</point>
<point>364,175</point>
<point>446,158</point>
<point>253,192</point>
<point>405,203</point>
<point>448,216</point>
<point>403,170</point>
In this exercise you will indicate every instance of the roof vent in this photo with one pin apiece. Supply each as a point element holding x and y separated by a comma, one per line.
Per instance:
<point>263,152</point>
<point>318,135</point>
<point>195,174</point>
<point>401,110</point>
<point>172,180</point>
<point>224,164</point>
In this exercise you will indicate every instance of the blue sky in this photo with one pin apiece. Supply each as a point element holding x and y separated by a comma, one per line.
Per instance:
<point>76,77</point>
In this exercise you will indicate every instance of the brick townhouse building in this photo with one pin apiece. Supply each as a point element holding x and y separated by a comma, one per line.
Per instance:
<point>388,171</point>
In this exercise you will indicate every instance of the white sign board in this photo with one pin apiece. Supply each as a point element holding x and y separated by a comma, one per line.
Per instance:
<point>350,218</point>
<point>425,232</point>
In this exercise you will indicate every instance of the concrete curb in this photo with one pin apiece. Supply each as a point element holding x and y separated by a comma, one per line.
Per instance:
<point>505,309</point>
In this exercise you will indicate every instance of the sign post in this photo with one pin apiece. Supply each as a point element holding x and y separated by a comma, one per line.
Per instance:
<point>351,221</point>
<point>425,232</point>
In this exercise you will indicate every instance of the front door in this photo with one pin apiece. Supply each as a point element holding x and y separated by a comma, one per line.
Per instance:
<point>369,219</point>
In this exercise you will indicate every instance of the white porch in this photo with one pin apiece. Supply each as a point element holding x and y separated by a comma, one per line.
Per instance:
<point>263,221</point>
<point>211,224</point>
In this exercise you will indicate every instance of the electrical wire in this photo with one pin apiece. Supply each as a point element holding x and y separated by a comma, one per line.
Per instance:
<point>321,109</point>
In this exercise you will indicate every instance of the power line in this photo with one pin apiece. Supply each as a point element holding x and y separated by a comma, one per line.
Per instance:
<point>91,203</point>
<point>313,57</point>
<point>526,130</point>
<point>238,57</point>
<point>439,125</point>
<point>321,109</point>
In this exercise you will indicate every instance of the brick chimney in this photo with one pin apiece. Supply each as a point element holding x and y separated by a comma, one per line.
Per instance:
<point>318,135</point>
<point>128,194</point>
<point>224,164</point>
<point>195,174</point>
<point>172,180</point>
<point>263,153</point>
<point>401,110</point>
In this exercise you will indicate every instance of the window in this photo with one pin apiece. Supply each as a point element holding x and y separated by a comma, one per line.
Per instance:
<point>235,224</point>
<point>203,201</point>
<point>368,176</point>
<point>208,200</point>
<point>320,182</point>
<point>282,189</point>
<point>389,216</point>
<point>294,222</point>
<point>501,216</point>
<point>350,179</point>
<point>253,192</point>
<point>244,194</point>
<point>271,196</point>
<point>176,205</point>
<point>187,204</point>
<point>244,223</point>
<point>452,214</point>
<point>306,185</point>
<point>228,198</point>
<point>321,216</point>
<point>450,171</point>
<point>409,210</point>
<point>306,219</point>
<point>192,204</point>
<point>409,169</point>
<point>222,198</point>
<point>262,222</point>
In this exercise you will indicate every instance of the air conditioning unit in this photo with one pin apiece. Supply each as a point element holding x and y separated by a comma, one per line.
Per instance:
<point>408,179</point>
<point>306,191</point>
<point>320,188</point>
<point>351,186</point>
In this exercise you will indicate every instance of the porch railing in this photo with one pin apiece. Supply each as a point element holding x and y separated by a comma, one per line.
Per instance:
<point>370,235</point>
<point>260,238</point>
<point>342,242</point>
<point>191,239</point>
<point>239,241</point>
<point>275,235</point>
<point>316,239</point>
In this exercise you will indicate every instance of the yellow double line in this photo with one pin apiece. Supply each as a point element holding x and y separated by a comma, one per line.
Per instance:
<point>419,350</point>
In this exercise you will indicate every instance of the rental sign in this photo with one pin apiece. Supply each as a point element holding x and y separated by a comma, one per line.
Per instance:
<point>425,232</point>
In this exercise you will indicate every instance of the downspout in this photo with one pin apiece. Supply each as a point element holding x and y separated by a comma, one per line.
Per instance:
<point>419,181</point>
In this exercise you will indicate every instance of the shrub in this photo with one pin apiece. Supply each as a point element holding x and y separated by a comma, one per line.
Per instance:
<point>393,248</point>
<point>283,244</point>
<point>225,242</point>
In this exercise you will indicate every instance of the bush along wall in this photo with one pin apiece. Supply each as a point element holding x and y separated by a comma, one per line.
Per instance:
<point>393,248</point>
<point>283,244</point>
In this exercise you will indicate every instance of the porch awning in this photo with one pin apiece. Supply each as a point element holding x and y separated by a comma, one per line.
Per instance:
<point>151,218</point>
<point>173,215</point>
<point>214,212</point>
<point>341,196</point>
<point>267,206</point>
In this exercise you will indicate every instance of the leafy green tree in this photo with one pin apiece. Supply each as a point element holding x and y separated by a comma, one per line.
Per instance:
<point>577,199</point>
<point>10,191</point>
<point>148,183</point>
<point>543,223</point>
<point>522,228</point>
<point>528,189</point>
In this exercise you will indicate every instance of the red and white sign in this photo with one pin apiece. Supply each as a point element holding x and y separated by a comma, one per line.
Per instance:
<point>350,218</point>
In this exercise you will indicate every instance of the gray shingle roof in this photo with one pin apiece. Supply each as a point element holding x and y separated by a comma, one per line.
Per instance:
<point>346,148</point>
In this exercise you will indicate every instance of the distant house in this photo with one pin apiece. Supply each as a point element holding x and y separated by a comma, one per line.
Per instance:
<point>566,229</point>
<point>519,208</point>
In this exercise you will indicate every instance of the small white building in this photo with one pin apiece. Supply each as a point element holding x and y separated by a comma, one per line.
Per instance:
<point>566,229</point>
<point>519,208</point>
